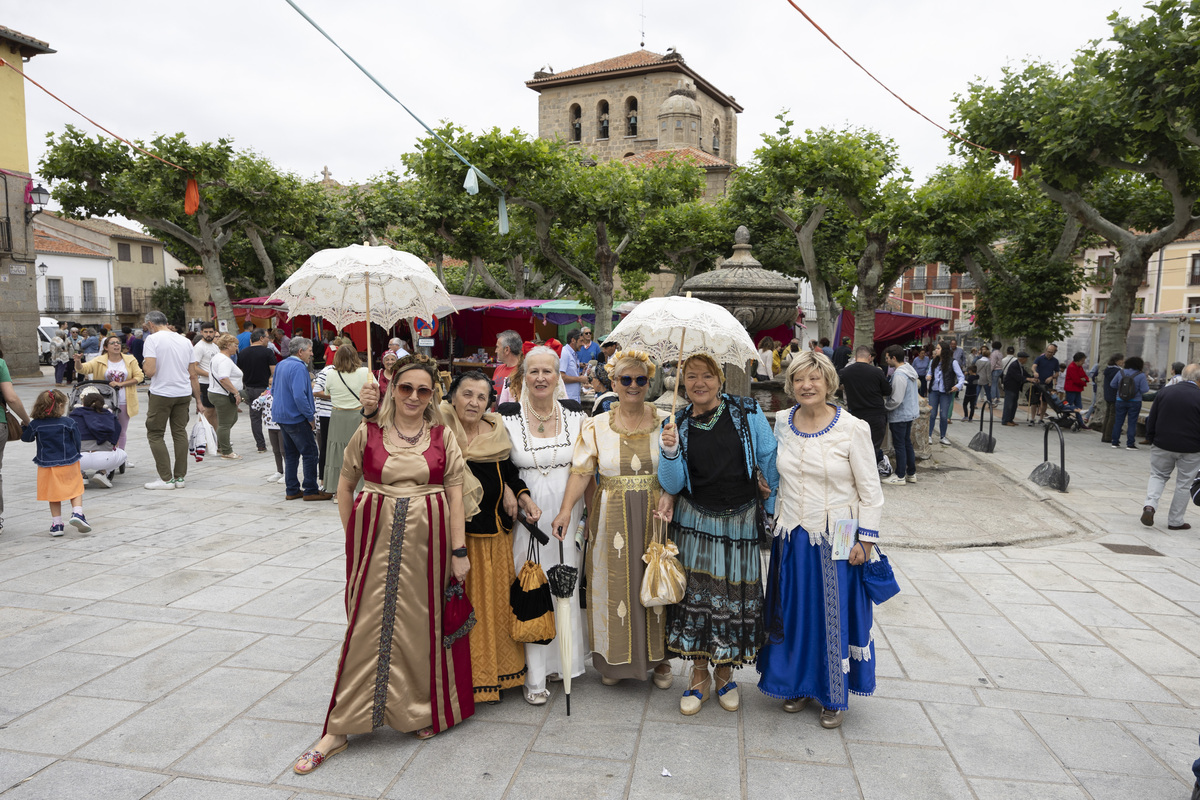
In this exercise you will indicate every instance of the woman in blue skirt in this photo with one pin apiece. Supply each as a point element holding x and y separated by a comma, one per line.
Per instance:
<point>710,453</point>
<point>818,615</point>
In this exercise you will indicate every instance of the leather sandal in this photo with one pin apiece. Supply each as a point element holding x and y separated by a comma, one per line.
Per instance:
<point>696,695</point>
<point>425,733</point>
<point>316,758</point>
<point>727,693</point>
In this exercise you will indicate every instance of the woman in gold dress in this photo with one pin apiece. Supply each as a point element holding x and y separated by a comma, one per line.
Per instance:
<point>627,639</point>
<point>405,540</point>
<point>492,493</point>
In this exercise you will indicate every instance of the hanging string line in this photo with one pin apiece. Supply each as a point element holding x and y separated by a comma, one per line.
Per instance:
<point>89,119</point>
<point>909,105</point>
<point>421,122</point>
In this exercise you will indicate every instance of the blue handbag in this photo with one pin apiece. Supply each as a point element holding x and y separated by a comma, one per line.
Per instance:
<point>879,579</point>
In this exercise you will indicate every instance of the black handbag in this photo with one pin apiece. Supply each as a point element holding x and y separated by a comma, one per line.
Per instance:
<point>879,579</point>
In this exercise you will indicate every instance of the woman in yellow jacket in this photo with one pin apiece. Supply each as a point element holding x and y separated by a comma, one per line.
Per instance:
<point>120,371</point>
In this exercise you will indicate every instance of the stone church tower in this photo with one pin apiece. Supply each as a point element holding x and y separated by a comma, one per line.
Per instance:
<point>640,107</point>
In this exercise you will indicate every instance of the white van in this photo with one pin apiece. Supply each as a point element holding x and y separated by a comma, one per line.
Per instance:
<point>47,330</point>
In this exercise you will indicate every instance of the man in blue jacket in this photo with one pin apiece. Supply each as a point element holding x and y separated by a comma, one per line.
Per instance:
<point>1173,430</point>
<point>293,410</point>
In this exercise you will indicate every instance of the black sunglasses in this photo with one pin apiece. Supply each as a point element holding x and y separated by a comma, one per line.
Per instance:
<point>628,380</point>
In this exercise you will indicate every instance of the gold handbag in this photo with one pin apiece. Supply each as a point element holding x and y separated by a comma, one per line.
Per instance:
<point>663,581</point>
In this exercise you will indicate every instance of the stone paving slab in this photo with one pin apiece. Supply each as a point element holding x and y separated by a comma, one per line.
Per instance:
<point>188,650</point>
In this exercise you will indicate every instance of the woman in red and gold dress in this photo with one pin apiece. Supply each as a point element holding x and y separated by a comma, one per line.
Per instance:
<point>405,538</point>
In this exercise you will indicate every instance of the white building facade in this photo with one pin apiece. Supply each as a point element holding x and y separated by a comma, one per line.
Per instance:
<point>74,282</point>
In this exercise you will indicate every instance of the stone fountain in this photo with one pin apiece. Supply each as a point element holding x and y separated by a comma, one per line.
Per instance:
<point>759,298</point>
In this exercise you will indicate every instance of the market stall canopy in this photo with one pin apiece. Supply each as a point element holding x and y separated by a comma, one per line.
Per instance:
<point>893,327</point>
<point>564,312</point>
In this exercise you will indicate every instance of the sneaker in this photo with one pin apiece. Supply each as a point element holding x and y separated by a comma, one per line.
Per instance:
<point>160,484</point>
<point>179,483</point>
<point>893,480</point>
<point>1116,445</point>
<point>101,479</point>
<point>275,477</point>
<point>945,441</point>
<point>56,530</point>
<point>930,440</point>
<point>1148,516</point>
<point>910,478</point>
<point>1131,447</point>
<point>79,523</point>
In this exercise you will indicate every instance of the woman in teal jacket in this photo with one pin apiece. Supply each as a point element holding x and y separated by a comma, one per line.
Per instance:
<point>718,457</point>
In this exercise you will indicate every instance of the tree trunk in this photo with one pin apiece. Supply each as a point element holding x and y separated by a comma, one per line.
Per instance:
<point>261,252</point>
<point>480,268</point>
<point>871,291</point>
<point>826,307</point>
<point>210,262</point>
<point>1127,277</point>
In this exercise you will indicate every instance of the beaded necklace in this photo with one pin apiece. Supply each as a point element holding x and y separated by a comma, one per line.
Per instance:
<point>708,424</point>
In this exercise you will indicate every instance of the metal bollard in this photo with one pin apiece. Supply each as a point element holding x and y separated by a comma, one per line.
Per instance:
<point>1046,473</point>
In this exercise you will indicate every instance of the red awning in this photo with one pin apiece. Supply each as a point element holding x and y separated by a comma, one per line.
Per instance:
<point>893,327</point>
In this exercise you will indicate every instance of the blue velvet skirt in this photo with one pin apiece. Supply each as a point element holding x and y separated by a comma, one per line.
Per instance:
<point>818,621</point>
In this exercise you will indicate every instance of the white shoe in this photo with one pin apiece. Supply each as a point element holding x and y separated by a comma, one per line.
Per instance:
<point>100,479</point>
<point>128,464</point>
<point>537,698</point>
<point>893,480</point>
<point>160,485</point>
<point>931,440</point>
<point>910,478</point>
<point>946,441</point>
<point>275,477</point>
<point>179,483</point>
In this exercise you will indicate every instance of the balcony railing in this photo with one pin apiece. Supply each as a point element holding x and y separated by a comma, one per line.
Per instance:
<point>965,281</point>
<point>924,283</point>
<point>131,301</point>
<point>93,305</point>
<point>59,304</point>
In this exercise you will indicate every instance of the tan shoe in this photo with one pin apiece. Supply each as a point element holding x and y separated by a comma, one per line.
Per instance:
<point>663,680</point>
<point>795,704</point>
<point>831,718</point>
<point>696,696</point>
<point>610,681</point>
<point>727,693</point>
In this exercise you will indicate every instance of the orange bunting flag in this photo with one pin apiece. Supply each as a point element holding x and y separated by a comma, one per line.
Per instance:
<point>191,197</point>
<point>1015,158</point>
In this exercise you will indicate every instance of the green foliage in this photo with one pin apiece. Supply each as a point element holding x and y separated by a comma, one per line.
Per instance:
<point>171,299</point>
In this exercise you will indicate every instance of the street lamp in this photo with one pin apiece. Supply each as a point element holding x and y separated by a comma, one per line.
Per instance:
<point>42,269</point>
<point>38,196</point>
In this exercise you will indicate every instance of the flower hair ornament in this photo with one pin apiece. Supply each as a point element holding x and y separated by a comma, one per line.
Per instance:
<point>635,355</point>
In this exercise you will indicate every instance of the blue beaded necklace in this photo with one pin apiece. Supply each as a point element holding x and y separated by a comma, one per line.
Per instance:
<point>708,424</point>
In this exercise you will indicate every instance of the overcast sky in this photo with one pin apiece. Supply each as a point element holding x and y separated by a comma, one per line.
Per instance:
<point>255,71</point>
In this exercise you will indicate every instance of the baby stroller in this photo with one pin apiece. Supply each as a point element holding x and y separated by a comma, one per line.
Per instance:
<point>88,387</point>
<point>1065,415</point>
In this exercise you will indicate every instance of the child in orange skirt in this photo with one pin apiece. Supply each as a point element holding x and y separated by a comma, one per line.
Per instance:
<point>58,446</point>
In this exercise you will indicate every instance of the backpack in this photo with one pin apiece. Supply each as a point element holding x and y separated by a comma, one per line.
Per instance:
<point>1127,388</point>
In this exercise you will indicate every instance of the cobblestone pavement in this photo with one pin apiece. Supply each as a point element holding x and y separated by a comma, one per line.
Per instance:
<point>186,648</point>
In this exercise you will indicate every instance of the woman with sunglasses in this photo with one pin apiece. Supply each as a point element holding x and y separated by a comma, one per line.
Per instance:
<point>405,540</point>
<point>622,444</point>
<point>543,430</point>
<point>492,493</point>
<point>711,454</point>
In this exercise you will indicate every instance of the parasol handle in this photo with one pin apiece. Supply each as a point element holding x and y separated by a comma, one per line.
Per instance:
<point>678,374</point>
<point>367,290</point>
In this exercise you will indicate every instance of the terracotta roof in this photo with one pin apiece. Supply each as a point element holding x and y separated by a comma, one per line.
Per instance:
<point>107,228</point>
<point>1194,236</point>
<point>30,46</point>
<point>46,243</point>
<point>638,58</point>
<point>690,154</point>
<point>637,62</point>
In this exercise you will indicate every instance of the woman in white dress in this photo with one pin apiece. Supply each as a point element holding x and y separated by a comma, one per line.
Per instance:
<point>543,431</point>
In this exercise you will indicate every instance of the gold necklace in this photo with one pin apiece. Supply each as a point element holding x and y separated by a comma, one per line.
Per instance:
<point>631,428</point>
<point>543,420</point>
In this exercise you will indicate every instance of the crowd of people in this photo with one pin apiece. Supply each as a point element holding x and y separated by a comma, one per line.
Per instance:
<point>444,492</point>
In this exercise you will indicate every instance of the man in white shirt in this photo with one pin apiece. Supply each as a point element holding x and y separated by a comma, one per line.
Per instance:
<point>170,364</point>
<point>570,367</point>
<point>205,350</point>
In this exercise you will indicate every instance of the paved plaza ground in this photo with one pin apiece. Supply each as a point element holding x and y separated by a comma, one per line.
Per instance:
<point>185,649</point>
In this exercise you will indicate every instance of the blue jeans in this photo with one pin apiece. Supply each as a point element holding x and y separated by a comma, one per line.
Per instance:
<point>1126,410</point>
<point>299,442</point>
<point>906,457</point>
<point>995,395</point>
<point>943,403</point>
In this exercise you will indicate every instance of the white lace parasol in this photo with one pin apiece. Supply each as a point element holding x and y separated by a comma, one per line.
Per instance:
<point>333,284</point>
<point>657,324</point>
